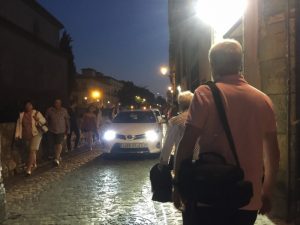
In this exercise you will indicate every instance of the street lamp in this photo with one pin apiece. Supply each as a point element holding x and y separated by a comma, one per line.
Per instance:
<point>96,94</point>
<point>164,70</point>
<point>229,12</point>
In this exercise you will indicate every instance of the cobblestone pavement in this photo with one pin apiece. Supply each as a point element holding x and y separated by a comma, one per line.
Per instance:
<point>88,189</point>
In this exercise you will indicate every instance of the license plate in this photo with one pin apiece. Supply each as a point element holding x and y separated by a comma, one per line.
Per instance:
<point>133,145</point>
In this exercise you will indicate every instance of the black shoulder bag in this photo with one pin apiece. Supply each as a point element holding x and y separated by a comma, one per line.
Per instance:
<point>211,180</point>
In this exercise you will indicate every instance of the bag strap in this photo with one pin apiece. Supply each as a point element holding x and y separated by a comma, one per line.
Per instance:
<point>223,117</point>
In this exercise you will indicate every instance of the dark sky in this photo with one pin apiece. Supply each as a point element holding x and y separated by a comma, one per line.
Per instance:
<point>127,39</point>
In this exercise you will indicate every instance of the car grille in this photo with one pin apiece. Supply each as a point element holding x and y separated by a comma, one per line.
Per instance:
<point>121,136</point>
<point>131,137</point>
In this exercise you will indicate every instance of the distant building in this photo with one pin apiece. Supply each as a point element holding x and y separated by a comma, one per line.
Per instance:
<point>90,81</point>
<point>31,64</point>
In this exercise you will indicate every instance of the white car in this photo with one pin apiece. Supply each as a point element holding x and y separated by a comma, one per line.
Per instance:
<point>136,131</point>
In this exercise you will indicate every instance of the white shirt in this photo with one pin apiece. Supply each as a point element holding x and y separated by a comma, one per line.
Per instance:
<point>174,134</point>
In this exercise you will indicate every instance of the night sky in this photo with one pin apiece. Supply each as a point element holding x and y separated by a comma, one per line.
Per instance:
<point>126,39</point>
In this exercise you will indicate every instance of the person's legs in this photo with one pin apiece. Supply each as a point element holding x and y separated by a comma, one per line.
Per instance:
<point>213,216</point>
<point>58,150</point>
<point>69,138</point>
<point>50,145</point>
<point>90,139</point>
<point>244,217</point>
<point>34,147</point>
<point>31,161</point>
<point>202,216</point>
<point>24,149</point>
<point>59,138</point>
<point>77,137</point>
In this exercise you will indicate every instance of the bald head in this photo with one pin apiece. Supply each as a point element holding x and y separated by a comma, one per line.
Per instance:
<point>226,57</point>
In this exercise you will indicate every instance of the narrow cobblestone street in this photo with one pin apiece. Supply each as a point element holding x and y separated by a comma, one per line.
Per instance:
<point>88,189</point>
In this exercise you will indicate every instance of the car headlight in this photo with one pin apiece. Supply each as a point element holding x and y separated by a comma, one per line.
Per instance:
<point>109,135</point>
<point>151,135</point>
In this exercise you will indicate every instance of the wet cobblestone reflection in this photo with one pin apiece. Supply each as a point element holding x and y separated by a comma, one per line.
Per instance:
<point>103,191</point>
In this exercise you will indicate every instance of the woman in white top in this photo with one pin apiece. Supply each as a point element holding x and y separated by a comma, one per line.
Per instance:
<point>28,130</point>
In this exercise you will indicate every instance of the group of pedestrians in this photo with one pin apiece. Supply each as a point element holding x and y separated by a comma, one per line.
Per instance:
<point>58,125</point>
<point>200,128</point>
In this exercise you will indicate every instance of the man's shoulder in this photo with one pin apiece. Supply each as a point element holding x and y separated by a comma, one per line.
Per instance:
<point>202,88</point>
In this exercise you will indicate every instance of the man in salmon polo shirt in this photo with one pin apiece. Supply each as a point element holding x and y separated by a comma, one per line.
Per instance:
<point>252,122</point>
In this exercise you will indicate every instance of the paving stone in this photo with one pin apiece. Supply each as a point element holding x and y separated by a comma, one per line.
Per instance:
<point>88,189</point>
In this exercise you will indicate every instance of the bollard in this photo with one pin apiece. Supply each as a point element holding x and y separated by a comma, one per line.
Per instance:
<point>2,191</point>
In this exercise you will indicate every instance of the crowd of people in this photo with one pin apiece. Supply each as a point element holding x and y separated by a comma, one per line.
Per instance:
<point>59,125</point>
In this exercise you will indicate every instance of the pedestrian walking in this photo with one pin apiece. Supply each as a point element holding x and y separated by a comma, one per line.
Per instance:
<point>74,128</point>
<point>175,128</point>
<point>89,125</point>
<point>29,131</point>
<point>58,122</point>
<point>252,123</point>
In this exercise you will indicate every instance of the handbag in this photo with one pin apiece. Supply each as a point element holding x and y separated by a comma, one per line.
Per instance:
<point>161,183</point>
<point>210,179</point>
<point>42,128</point>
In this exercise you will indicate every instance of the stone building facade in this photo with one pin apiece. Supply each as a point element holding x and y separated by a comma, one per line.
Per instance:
<point>269,33</point>
<point>31,64</point>
<point>91,80</point>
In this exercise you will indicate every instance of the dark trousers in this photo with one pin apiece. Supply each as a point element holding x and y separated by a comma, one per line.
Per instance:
<point>211,216</point>
<point>76,131</point>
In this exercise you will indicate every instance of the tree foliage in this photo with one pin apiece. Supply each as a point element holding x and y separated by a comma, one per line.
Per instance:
<point>127,95</point>
<point>65,45</point>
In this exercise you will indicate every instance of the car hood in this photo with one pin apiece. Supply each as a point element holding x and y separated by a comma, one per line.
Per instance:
<point>132,128</point>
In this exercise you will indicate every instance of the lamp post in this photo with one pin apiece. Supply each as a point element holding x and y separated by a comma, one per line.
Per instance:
<point>165,71</point>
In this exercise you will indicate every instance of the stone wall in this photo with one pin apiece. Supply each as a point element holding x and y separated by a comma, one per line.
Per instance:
<point>2,191</point>
<point>276,70</point>
<point>10,157</point>
<point>11,154</point>
<point>29,69</point>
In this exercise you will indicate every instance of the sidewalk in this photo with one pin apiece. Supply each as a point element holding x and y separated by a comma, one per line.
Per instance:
<point>43,166</point>
<point>20,188</point>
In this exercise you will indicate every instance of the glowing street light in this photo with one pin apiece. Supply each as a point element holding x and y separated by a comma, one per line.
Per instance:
<point>229,12</point>
<point>85,98</point>
<point>170,88</point>
<point>96,94</point>
<point>131,107</point>
<point>164,70</point>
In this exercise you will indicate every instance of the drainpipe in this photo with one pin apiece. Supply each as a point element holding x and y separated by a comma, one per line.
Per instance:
<point>291,201</point>
<point>297,124</point>
<point>2,192</point>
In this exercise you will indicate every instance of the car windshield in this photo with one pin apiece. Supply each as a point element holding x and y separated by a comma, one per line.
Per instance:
<point>135,117</point>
